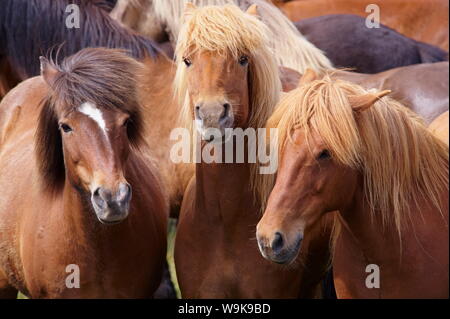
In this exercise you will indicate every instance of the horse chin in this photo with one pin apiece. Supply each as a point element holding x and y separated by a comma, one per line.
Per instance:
<point>111,216</point>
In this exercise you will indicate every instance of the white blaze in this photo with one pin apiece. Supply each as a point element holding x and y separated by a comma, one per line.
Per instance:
<point>94,113</point>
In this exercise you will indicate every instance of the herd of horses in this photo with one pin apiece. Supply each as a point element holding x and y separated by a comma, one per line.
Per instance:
<point>86,177</point>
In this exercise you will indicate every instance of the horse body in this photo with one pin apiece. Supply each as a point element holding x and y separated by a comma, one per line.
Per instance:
<point>349,43</point>
<point>427,97</point>
<point>424,21</point>
<point>42,233</point>
<point>216,254</point>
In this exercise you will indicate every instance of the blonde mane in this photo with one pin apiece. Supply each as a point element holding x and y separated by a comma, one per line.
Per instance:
<point>389,144</point>
<point>290,47</point>
<point>228,31</point>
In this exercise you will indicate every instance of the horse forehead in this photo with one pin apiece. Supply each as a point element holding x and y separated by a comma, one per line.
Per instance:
<point>93,112</point>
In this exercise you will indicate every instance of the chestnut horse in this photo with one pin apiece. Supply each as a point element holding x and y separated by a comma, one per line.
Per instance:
<point>227,78</point>
<point>427,97</point>
<point>425,21</point>
<point>346,149</point>
<point>74,160</point>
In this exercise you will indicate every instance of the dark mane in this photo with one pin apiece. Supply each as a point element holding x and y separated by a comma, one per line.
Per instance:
<point>31,28</point>
<point>105,77</point>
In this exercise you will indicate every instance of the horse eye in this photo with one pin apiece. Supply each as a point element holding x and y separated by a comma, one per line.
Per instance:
<point>66,128</point>
<point>126,122</point>
<point>187,62</point>
<point>243,60</point>
<point>325,154</point>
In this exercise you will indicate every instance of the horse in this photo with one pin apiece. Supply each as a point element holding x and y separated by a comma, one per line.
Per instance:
<point>427,97</point>
<point>425,21</point>
<point>374,161</point>
<point>71,140</point>
<point>162,20</point>
<point>349,43</point>
<point>227,78</point>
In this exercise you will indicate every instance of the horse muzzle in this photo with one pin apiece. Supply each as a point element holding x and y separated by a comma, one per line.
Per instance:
<point>212,119</point>
<point>276,249</point>
<point>112,207</point>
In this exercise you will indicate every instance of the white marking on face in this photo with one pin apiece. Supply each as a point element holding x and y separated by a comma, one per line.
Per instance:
<point>94,113</point>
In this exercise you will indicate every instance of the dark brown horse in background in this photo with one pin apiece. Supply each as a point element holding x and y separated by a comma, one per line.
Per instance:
<point>75,161</point>
<point>349,43</point>
<point>31,28</point>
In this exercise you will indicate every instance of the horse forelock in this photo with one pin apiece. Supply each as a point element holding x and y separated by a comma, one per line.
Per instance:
<point>416,162</point>
<point>106,78</point>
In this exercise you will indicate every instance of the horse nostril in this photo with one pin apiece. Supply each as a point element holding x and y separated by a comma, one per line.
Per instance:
<point>97,198</point>
<point>124,194</point>
<point>278,242</point>
<point>226,110</point>
<point>197,111</point>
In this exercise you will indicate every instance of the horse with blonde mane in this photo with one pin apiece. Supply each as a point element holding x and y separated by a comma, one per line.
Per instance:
<point>71,155</point>
<point>228,78</point>
<point>290,47</point>
<point>368,157</point>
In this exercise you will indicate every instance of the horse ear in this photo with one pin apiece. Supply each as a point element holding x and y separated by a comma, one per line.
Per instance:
<point>48,71</point>
<point>253,10</point>
<point>361,103</point>
<point>307,77</point>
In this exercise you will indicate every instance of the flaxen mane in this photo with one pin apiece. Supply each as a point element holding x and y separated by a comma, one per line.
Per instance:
<point>106,78</point>
<point>227,30</point>
<point>290,47</point>
<point>415,161</point>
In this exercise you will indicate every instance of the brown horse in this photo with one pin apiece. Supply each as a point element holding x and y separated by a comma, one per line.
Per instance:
<point>227,78</point>
<point>425,21</point>
<point>75,160</point>
<point>370,158</point>
<point>428,96</point>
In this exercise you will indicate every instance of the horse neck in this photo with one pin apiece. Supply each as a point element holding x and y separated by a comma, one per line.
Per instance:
<point>223,191</point>
<point>78,216</point>
<point>365,232</point>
